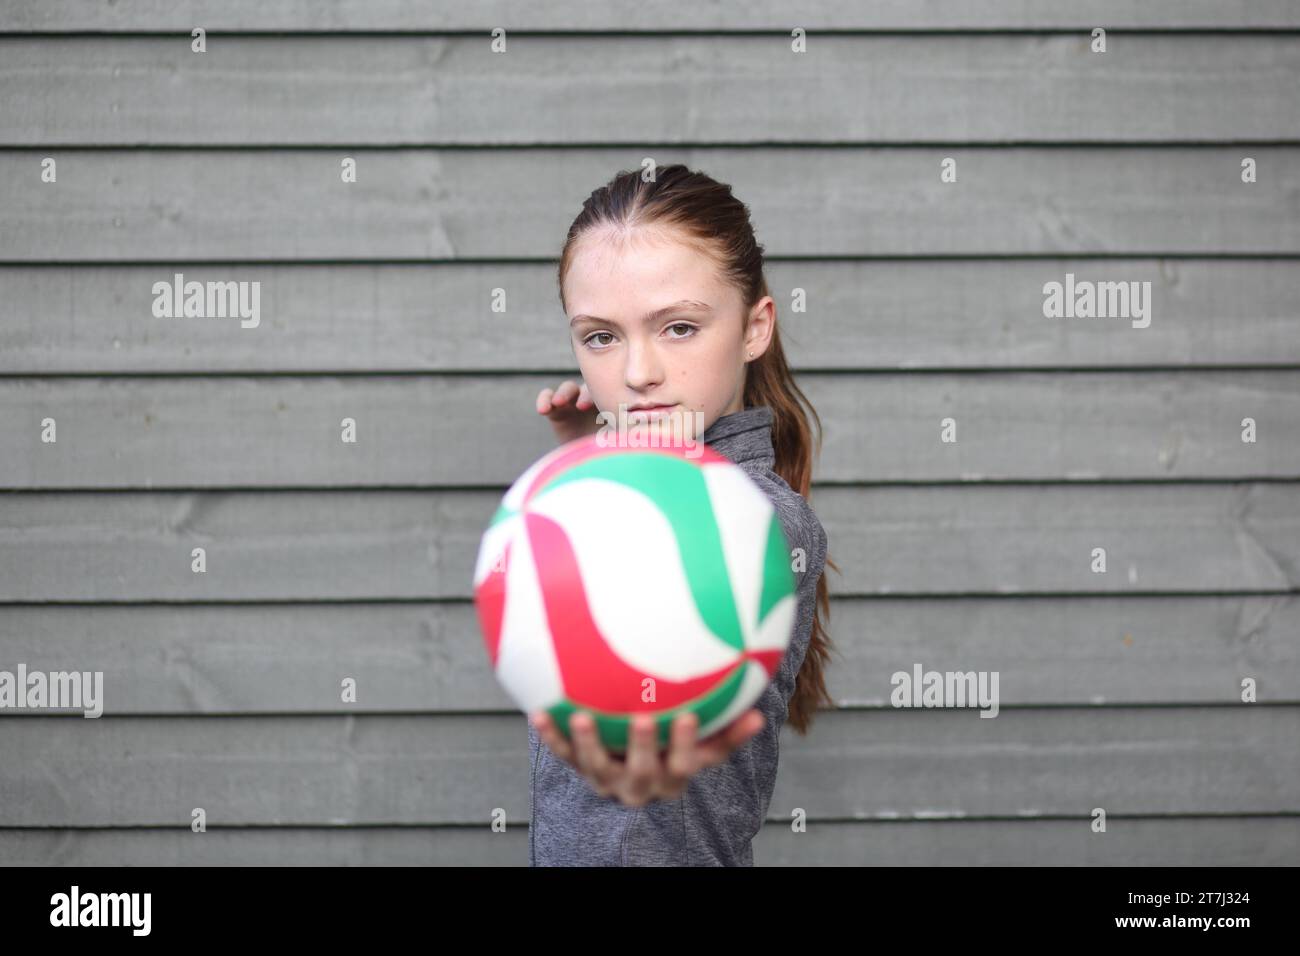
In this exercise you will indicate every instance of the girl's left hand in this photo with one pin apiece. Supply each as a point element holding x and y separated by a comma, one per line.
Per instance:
<point>643,774</point>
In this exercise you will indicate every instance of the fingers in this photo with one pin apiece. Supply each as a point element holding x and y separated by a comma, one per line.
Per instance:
<point>551,736</point>
<point>643,770</point>
<point>717,748</point>
<point>592,760</point>
<point>555,399</point>
<point>565,394</point>
<point>641,776</point>
<point>564,397</point>
<point>682,749</point>
<point>750,723</point>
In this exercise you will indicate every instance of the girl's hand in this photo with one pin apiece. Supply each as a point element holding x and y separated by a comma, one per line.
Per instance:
<point>643,774</point>
<point>570,409</point>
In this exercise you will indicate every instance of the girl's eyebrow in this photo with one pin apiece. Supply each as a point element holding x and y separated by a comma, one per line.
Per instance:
<point>690,304</point>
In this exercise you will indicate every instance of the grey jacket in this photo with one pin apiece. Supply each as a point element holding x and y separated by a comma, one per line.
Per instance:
<point>722,808</point>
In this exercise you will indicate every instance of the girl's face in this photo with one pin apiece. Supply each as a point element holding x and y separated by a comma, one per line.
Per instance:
<point>652,324</point>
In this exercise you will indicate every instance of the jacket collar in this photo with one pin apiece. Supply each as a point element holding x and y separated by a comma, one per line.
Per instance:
<point>744,436</point>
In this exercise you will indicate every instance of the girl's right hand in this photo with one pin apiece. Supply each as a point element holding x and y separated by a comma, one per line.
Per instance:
<point>644,773</point>
<point>570,409</point>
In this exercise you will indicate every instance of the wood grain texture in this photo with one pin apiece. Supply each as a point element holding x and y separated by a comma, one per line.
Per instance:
<point>385,90</point>
<point>290,205</point>
<point>855,315</point>
<point>416,769</point>
<point>429,657</point>
<point>1128,841</point>
<point>924,300</point>
<point>888,540</point>
<point>470,430</point>
<point>675,15</point>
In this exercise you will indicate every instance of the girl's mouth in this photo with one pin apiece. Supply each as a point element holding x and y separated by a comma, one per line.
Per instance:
<point>654,411</point>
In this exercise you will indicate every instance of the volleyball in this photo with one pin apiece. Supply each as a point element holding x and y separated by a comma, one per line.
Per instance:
<point>621,581</point>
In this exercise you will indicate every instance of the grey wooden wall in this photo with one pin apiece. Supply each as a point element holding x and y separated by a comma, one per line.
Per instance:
<point>327,560</point>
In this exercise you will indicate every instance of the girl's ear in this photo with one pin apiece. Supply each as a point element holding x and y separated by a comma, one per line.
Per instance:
<point>758,331</point>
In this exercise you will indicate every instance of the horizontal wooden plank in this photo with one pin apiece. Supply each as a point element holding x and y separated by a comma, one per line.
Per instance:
<point>1163,841</point>
<point>240,659</point>
<point>290,205</point>
<point>675,15</point>
<point>124,771</point>
<point>299,91</point>
<point>1141,841</point>
<point>929,313</point>
<point>890,540</point>
<point>219,432</point>
<point>274,846</point>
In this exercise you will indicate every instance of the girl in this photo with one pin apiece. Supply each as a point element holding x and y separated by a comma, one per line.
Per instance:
<point>670,318</point>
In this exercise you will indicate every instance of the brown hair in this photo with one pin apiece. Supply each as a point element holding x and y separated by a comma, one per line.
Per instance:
<point>707,214</point>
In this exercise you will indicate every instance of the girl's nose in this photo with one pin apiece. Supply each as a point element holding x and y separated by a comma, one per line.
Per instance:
<point>643,368</point>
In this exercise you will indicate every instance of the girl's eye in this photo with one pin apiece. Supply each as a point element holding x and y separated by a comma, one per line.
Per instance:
<point>592,340</point>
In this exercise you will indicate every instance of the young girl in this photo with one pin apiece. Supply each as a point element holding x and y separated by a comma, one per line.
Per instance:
<point>670,316</point>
